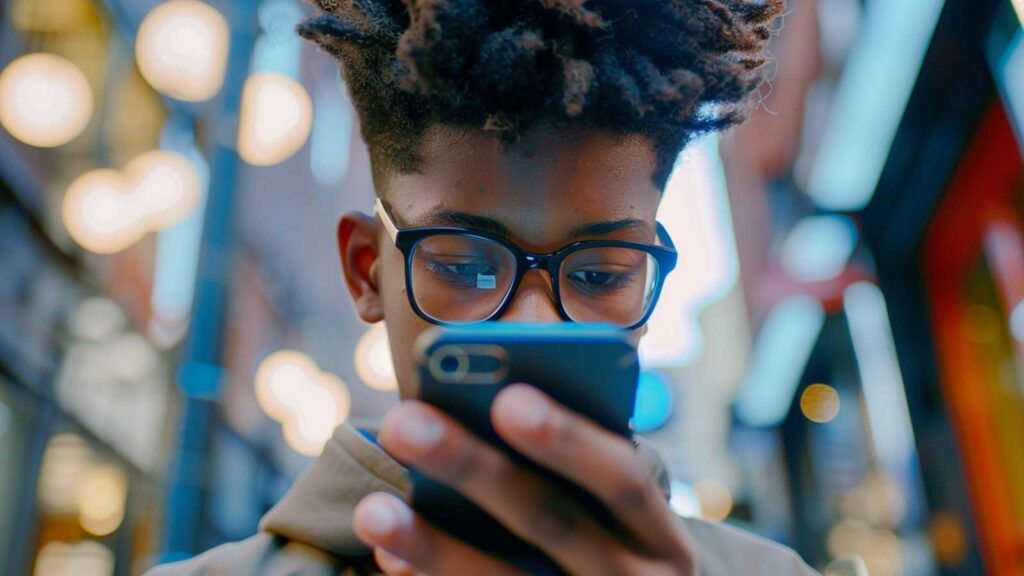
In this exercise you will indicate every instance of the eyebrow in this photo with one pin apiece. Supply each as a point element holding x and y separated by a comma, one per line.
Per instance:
<point>492,226</point>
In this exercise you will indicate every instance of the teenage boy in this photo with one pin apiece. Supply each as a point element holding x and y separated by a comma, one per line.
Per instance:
<point>511,128</point>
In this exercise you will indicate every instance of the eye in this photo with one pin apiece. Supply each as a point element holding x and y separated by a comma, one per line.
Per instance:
<point>598,281</point>
<point>463,272</point>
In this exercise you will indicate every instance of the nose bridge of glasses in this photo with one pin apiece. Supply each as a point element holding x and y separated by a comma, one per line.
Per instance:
<point>533,299</point>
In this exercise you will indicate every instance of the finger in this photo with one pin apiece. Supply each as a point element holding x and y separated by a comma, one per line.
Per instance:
<point>387,524</point>
<point>600,461</point>
<point>393,565</point>
<point>422,436</point>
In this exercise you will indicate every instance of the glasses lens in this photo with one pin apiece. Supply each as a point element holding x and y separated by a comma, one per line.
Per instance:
<point>613,285</point>
<point>460,278</point>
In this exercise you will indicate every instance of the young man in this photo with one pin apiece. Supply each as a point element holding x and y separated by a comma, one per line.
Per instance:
<point>535,124</point>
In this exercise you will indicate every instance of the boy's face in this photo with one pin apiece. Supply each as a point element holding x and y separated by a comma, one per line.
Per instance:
<point>540,190</point>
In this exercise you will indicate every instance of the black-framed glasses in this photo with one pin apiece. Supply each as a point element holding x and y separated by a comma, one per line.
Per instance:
<point>457,275</point>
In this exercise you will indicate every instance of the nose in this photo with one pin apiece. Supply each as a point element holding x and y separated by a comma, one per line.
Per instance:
<point>534,301</point>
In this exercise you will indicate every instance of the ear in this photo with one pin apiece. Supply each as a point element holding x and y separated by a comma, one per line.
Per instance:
<point>358,243</point>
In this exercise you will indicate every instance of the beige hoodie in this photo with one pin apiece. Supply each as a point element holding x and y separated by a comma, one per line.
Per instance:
<point>310,533</point>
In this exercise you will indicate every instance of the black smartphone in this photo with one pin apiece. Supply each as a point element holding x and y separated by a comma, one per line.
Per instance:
<point>589,368</point>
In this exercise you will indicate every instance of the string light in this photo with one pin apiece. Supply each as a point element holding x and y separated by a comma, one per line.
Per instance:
<point>45,100</point>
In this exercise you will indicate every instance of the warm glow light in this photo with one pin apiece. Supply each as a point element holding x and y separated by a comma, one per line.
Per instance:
<point>276,118</point>
<point>949,538</point>
<point>106,211</point>
<point>715,500</point>
<point>308,403</point>
<point>166,188</point>
<point>1018,5</point>
<point>182,49</point>
<point>101,498</point>
<point>45,100</point>
<point>820,403</point>
<point>85,558</point>
<point>373,359</point>
<point>98,212</point>
<point>64,462</point>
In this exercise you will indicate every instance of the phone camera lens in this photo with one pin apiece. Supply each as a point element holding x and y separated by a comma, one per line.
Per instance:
<point>450,364</point>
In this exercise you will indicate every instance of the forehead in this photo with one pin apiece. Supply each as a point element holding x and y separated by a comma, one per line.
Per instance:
<point>539,187</point>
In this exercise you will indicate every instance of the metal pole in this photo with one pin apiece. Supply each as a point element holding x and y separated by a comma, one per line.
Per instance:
<point>201,372</point>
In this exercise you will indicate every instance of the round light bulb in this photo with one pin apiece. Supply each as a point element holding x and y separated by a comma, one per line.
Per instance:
<point>45,100</point>
<point>275,121</point>
<point>182,49</point>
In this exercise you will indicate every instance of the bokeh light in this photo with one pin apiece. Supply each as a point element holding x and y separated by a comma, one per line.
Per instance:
<point>85,558</point>
<point>654,402</point>
<point>96,319</point>
<point>65,461</point>
<point>101,499</point>
<point>182,49</point>
<point>715,499</point>
<point>373,359</point>
<point>106,211</point>
<point>683,500</point>
<point>45,100</point>
<point>98,212</point>
<point>820,403</point>
<point>309,404</point>
<point>166,188</point>
<point>818,248</point>
<point>276,119</point>
<point>949,538</point>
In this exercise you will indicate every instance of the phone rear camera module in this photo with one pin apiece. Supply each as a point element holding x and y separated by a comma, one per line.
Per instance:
<point>450,364</point>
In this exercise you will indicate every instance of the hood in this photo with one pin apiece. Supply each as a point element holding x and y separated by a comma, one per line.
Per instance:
<point>317,510</point>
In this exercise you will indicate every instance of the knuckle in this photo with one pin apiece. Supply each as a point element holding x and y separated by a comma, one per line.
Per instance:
<point>554,520</point>
<point>631,490</point>
<point>455,459</point>
<point>559,432</point>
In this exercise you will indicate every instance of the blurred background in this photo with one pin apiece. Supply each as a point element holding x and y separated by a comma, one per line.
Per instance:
<point>837,364</point>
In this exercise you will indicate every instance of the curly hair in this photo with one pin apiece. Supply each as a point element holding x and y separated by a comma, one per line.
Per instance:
<point>666,69</point>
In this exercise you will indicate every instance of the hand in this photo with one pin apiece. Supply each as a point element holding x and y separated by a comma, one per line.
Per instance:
<point>599,461</point>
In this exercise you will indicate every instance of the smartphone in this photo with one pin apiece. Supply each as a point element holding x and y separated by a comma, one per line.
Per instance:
<point>591,369</point>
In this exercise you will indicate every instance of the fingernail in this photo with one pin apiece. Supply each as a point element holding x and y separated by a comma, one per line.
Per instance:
<point>379,519</point>
<point>524,407</point>
<point>419,429</point>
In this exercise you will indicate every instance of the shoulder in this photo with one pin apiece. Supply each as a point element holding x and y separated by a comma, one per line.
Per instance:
<point>727,550</point>
<point>264,555</point>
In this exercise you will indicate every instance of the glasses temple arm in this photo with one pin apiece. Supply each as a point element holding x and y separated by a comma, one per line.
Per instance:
<point>385,218</point>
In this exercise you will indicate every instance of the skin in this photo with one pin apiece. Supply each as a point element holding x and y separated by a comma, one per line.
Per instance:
<point>540,190</point>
